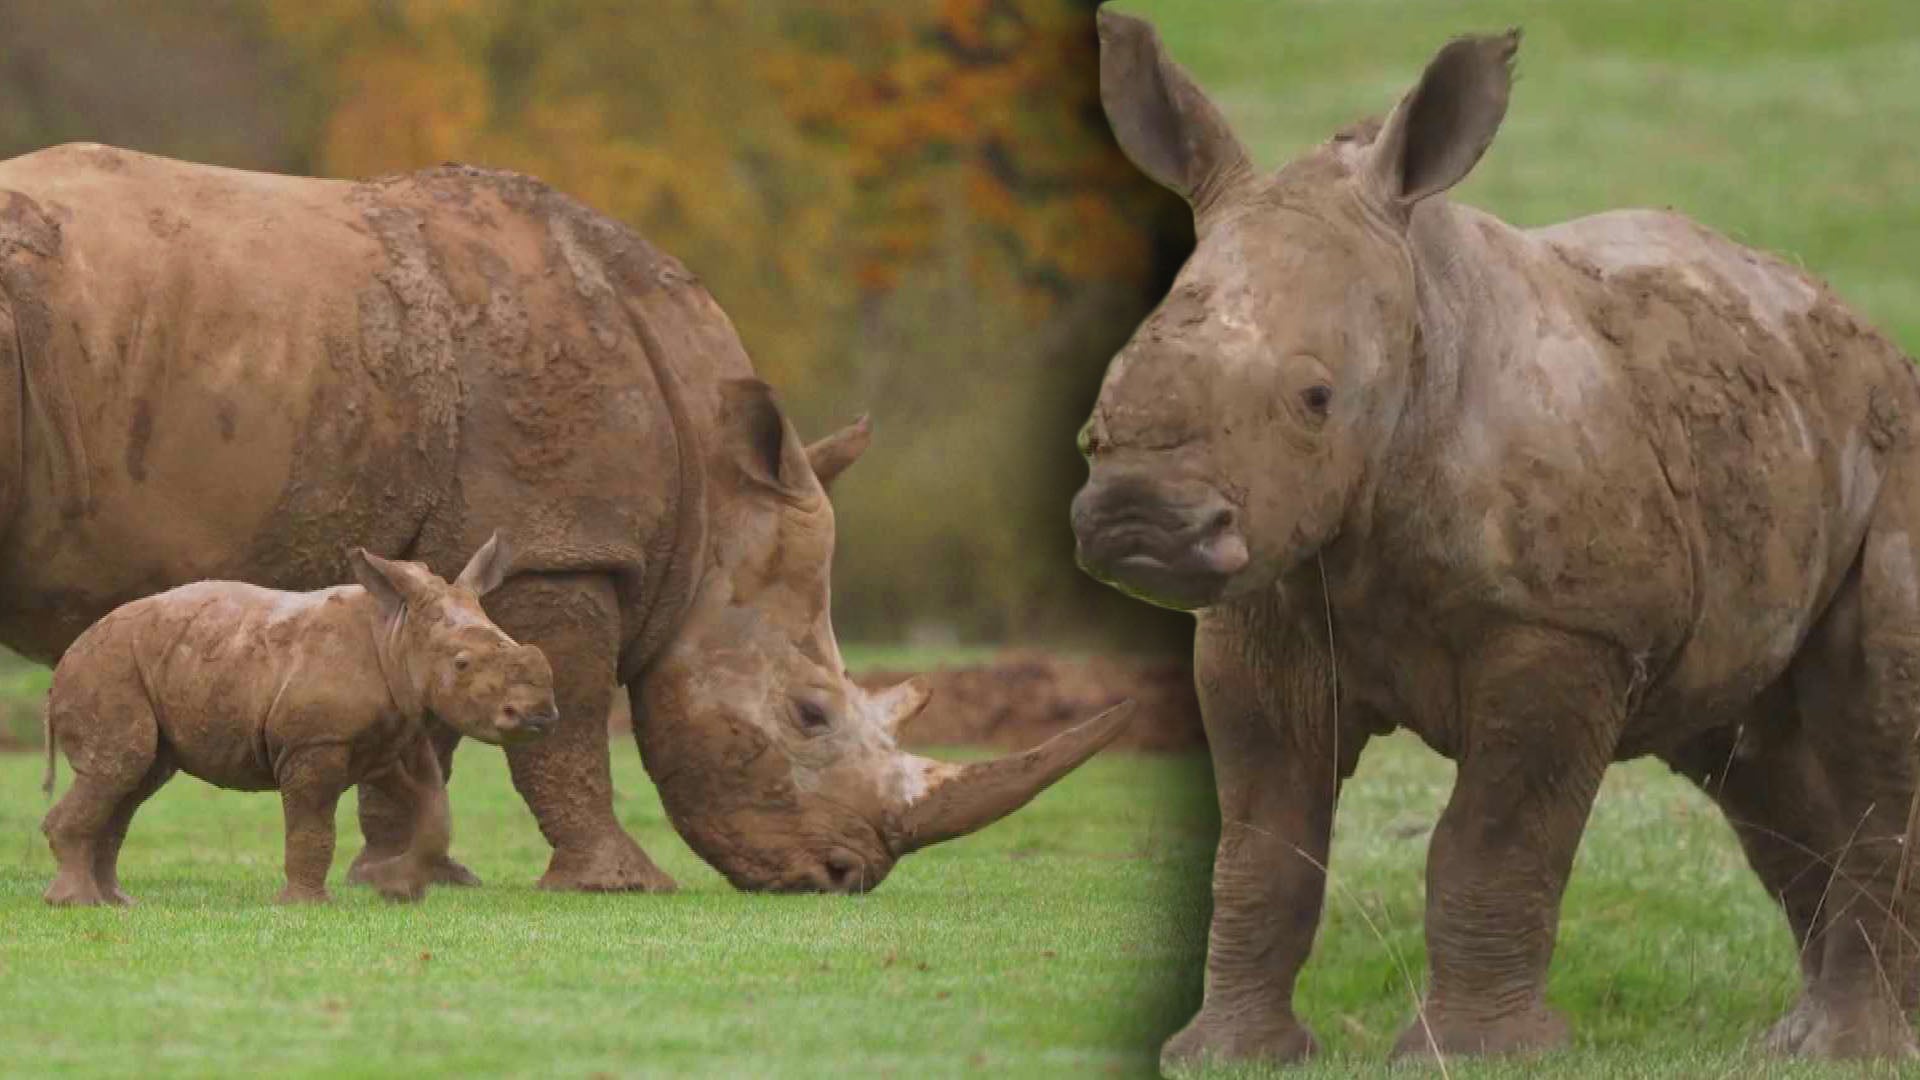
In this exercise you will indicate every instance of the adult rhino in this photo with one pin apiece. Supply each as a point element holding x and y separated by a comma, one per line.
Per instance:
<point>1550,498</point>
<point>207,373</point>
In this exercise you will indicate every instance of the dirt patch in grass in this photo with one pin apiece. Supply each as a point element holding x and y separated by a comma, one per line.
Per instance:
<point>1019,699</point>
<point>1023,698</point>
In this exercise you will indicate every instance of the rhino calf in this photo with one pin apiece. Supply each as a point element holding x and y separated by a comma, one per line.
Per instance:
<point>1549,498</point>
<point>307,693</point>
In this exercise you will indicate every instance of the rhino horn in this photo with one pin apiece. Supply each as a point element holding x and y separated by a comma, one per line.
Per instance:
<point>960,799</point>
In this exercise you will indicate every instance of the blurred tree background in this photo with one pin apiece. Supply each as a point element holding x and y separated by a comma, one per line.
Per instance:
<point>909,209</point>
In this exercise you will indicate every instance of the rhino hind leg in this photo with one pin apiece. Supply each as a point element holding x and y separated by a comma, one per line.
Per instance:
<point>113,752</point>
<point>1767,780</point>
<point>106,856</point>
<point>387,824</point>
<point>1861,669</point>
<point>1542,712</point>
<point>565,776</point>
<point>75,828</point>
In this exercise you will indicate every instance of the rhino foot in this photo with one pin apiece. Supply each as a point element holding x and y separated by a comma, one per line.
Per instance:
<point>74,890</point>
<point>440,870</point>
<point>1206,1039</point>
<point>1532,1031</point>
<point>400,879</point>
<point>616,866</point>
<point>1870,1028</point>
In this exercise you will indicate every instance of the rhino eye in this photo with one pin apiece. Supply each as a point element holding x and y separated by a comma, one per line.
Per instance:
<point>812,718</point>
<point>1317,398</point>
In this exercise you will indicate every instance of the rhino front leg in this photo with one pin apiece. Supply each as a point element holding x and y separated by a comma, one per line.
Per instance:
<point>387,822</point>
<point>565,776</point>
<point>1541,712</point>
<point>414,787</point>
<point>1268,722</point>
<point>311,783</point>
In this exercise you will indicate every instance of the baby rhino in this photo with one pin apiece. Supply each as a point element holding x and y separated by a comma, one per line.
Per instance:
<point>307,693</point>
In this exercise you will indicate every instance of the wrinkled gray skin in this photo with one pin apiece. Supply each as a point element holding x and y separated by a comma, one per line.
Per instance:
<point>1549,498</point>
<point>305,693</point>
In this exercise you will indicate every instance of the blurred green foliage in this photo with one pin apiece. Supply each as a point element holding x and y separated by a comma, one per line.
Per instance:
<point>913,210</point>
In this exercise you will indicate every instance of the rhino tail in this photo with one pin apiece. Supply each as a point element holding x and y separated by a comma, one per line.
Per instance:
<point>46,732</point>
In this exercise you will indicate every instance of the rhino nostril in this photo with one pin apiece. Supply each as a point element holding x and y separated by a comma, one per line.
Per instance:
<point>845,872</point>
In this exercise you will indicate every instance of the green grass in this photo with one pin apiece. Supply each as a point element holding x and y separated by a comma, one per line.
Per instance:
<point>1671,957</point>
<point>1786,124</point>
<point>1066,939</point>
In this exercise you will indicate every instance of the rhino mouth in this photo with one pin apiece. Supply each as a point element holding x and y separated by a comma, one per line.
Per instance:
<point>1195,578</point>
<point>1181,555</point>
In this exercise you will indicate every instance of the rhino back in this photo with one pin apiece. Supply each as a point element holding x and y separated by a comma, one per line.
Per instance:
<point>1778,412</point>
<point>1724,422</point>
<point>236,675</point>
<point>566,440</point>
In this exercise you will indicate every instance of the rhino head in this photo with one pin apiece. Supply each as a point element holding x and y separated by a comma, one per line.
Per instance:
<point>772,764</point>
<point>1233,433</point>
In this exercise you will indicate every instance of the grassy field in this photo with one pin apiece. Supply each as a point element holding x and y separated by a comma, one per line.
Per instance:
<point>1065,940</point>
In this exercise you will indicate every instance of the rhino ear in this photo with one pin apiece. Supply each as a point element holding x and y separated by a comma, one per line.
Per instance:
<point>1166,125</point>
<point>1439,130</point>
<point>764,445</point>
<point>830,456</point>
<point>488,567</point>
<point>385,581</point>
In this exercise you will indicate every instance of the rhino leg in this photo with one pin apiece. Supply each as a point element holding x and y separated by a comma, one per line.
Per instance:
<point>114,748</point>
<point>106,856</point>
<point>311,780</point>
<point>1541,712</point>
<point>387,823</point>
<point>1769,783</point>
<point>564,775</point>
<point>1863,660</point>
<point>413,786</point>
<point>1275,770</point>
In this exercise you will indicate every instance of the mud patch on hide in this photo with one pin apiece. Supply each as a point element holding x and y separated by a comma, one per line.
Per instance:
<point>408,325</point>
<point>140,434</point>
<point>1753,415</point>
<point>26,227</point>
<point>30,246</point>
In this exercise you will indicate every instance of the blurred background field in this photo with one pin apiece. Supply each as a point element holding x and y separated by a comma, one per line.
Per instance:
<point>911,210</point>
<point>916,210</point>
